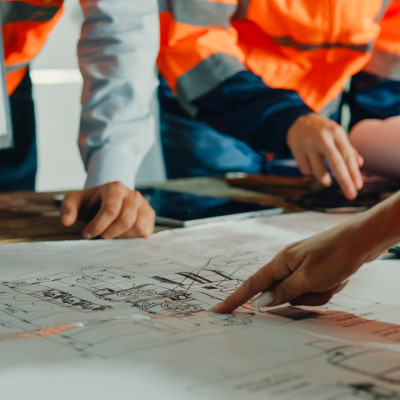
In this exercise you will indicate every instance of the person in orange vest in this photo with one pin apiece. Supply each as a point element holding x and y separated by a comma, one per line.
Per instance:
<point>311,271</point>
<point>117,51</point>
<point>244,82</point>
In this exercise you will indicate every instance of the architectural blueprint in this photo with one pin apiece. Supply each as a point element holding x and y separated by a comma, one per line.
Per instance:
<point>114,318</point>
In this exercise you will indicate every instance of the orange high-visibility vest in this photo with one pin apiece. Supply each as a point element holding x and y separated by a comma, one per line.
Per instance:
<point>310,46</point>
<point>25,26</point>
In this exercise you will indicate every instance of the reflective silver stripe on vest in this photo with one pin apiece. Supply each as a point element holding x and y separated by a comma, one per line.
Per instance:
<point>202,13</point>
<point>331,107</point>
<point>163,5</point>
<point>287,41</point>
<point>241,12</point>
<point>18,11</point>
<point>207,75</point>
<point>385,5</point>
<point>386,65</point>
<point>11,68</point>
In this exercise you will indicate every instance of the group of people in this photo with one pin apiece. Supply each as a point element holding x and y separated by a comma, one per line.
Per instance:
<point>241,83</point>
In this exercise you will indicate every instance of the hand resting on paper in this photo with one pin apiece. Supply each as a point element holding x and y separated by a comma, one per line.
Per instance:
<point>112,210</point>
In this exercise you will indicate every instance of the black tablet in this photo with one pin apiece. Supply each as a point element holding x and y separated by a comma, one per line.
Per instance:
<point>183,209</point>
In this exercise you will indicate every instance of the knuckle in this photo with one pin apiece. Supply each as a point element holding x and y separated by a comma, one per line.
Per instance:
<point>285,253</point>
<point>348,156</point>
<point>117,187</point>
<point>289,252</point>
<point>338,131</point>
<point>333,132</point>
<point>111,210</point>
<point>322,133</point>
<point>136,196</point>
<point>125,222</point>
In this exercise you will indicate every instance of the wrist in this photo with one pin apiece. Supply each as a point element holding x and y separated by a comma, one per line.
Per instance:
<point>379,228</point>
<point>298,123</point>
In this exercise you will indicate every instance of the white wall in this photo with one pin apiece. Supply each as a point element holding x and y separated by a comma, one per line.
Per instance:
<point>57,86</point>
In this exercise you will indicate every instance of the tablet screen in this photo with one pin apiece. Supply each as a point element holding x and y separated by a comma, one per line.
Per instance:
<point>183,209</point>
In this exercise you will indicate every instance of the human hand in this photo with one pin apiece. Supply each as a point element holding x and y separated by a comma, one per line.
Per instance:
<point>313,138</point>
<point>112,210</point>
<point>308,272</point>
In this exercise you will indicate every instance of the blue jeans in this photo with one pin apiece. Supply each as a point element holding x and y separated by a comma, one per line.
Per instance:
<point>193,148</point>
<point>18,165</point>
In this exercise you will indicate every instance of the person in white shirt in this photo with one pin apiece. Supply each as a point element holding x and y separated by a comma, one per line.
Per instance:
<point>117,52</point>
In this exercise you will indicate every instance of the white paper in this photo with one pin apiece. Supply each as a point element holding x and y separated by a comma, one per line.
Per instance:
<point>132,319</point>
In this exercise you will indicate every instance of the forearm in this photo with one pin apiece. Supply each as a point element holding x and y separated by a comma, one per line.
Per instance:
<point>312,270</point>
<point>244,107</point>
<point>374,231</point>
<point>117,53</point>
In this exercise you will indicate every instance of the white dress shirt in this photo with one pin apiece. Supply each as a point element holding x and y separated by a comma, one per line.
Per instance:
<point>117,53</point>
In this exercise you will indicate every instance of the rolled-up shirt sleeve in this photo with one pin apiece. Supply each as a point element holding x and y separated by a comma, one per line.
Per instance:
<point>117,53</point>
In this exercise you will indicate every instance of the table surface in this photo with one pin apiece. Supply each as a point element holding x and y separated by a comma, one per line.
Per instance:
<point>31,216</point>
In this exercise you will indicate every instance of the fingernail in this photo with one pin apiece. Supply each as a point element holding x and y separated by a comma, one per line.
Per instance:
<point>352,192</point>
<point>262,300</point>
<point>326,180</point>
<point>87,235</point>
<point>341,286</point>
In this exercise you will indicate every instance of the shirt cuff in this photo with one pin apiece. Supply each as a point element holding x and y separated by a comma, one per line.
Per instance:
<point>110,164</point>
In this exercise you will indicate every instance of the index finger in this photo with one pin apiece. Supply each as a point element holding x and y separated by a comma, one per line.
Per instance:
<point>263,279</point>
<point>352,159</point>
<point>341,172</point>
<point>69,207</point>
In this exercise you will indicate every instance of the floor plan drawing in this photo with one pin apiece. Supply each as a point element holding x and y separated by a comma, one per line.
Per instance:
<point>363,360</point>
<point>143,308</point>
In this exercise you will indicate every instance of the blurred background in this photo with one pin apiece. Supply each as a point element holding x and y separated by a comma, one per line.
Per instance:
<point>57,89</point>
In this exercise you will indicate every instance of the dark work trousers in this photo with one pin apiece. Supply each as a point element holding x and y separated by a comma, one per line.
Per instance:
<point>18,165</point>
<point>193,148</point>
